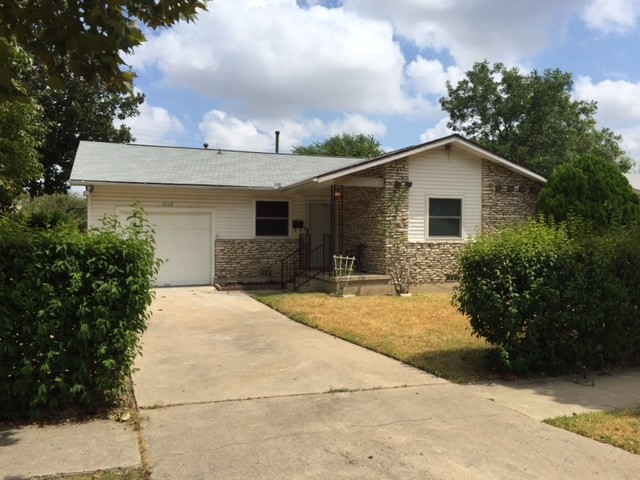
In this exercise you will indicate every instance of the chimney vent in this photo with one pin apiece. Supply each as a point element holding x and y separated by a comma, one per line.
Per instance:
<point>277,141</point>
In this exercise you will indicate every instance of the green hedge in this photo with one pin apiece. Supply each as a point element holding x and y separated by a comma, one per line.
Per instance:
<point>554,300</point>
<point>72,309</point>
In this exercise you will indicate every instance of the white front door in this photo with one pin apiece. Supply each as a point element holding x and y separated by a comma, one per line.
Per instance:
<point>319,222</point>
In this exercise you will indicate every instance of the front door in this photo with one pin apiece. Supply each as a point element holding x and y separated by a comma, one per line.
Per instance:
<point>319,227</point>
<point>319,222</point>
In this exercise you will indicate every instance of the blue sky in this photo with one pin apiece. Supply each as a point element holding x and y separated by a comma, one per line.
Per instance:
<point>312,69</point>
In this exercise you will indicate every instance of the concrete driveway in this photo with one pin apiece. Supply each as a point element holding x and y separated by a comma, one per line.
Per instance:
<point>230,389</point>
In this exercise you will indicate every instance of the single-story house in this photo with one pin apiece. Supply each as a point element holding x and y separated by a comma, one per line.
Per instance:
<point>224,215</point>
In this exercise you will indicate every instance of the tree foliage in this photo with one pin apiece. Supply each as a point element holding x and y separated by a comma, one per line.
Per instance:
<point>88,37</point>
<point>529,119</point>
<point>591,188</point>
<point>79,111</point>
<point>345,145</point>
<point>59,208</point>
<point>21,135</point>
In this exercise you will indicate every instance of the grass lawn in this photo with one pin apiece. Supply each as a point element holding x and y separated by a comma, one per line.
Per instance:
<point>126,474</point>
<point>620,428</point>
<point>422,330</point>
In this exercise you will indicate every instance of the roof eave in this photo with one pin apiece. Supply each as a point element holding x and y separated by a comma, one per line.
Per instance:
<point>86,183</point>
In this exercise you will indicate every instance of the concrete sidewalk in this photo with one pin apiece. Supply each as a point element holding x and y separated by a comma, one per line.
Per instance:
<point>543,398</point>
<point>230,389</point>
<point>31,450</point>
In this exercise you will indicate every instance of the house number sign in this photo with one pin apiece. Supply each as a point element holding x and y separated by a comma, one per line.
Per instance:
<point>167,204</point>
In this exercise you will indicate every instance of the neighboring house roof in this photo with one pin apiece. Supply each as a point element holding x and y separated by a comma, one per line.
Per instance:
<point>106,163</point>
<point>634,180</point>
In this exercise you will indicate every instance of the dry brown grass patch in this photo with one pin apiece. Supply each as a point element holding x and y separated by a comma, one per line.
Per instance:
<point>423,330</point>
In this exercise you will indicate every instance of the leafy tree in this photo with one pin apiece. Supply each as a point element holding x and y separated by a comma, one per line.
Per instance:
<point>55,209</point>
<point>591,188</point>
<point>21,134</point>
<point>88,37</point>
<point>79,111</point>
<point>529,119</point>
<point>345,145</point>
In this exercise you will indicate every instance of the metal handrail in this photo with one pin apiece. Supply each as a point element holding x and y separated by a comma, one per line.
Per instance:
<point>300,266</point>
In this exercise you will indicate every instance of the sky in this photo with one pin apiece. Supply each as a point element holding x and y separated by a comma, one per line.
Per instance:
<point>316,68</point>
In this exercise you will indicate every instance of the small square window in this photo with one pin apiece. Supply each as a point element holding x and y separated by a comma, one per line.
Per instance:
<point>272,219</point>
<point>445,217</point>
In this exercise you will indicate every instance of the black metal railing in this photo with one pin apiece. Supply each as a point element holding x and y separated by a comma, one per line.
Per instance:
<point>305,263</point>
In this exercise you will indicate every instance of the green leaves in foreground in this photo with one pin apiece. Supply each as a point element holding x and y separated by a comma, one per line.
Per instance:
<point>554,300</point>
<point>72,310</point>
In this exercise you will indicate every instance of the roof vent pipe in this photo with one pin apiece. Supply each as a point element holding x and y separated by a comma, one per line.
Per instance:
<point>277,141</point>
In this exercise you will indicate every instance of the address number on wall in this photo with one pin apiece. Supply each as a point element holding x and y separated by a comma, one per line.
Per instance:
<point>167,204</point>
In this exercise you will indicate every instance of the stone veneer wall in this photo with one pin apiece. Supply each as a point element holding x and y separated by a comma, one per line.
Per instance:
<point>251,258</point>
<point>506,197</point>
<point>366,210</point>
<point>433,262</point>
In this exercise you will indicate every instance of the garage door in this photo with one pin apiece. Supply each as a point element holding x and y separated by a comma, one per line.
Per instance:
<point>183,242</point>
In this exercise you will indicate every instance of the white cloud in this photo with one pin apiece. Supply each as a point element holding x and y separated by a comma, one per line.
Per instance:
<point>440,130</point>
<point>154,126</point>
<point>618,109</point>
<point>473,30</point>
<point>222,130</point>
<point>618,100</point>
<point>355,123</point>
<point>612,16</point>
<point>631,143</point>
<point>274,57</point>
<point>430,76</point>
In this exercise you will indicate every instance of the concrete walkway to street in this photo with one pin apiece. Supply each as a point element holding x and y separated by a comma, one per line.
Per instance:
<point>228,388</point>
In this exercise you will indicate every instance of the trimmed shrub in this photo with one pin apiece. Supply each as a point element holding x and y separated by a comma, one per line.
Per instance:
<point>552,301</point>
<point>594,190</point>
<point>72,310</point>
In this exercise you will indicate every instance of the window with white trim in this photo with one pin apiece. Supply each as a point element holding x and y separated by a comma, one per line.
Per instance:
<point>445,217</point>
<point>272,218</point>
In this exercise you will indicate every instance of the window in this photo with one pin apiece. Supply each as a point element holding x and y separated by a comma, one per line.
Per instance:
<point>445,217</point>
<point>272,219</point>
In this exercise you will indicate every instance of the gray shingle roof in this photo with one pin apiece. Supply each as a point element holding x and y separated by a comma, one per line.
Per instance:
<point>98,162</point>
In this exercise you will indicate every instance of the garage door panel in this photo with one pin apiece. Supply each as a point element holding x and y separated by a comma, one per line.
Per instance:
<point>184,243</point>
<point>184,256</point>
<point>185,277</point>
<point>184,240</point>
<point>171,221</point>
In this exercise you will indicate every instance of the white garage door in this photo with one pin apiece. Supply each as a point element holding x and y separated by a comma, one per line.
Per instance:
<point>183,242</point>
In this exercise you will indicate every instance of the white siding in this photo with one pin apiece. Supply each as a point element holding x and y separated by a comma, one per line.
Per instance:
<point>443,174</point>
<point>233,210</point>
